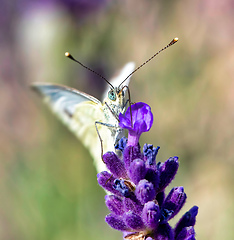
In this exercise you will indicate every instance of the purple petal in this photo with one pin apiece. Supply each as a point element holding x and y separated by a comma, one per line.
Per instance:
<point>150,214</point>
<point>174,201</point>
<point>114,204</point>
<point>140,126</point>
<point>133,221</point>
<point>145,191</point>
<point>125,121</point>
<point>116,222</point>
<point>115,165</point>
<point>141,111</point>
<point>137,170</point>
<point>137,121</point>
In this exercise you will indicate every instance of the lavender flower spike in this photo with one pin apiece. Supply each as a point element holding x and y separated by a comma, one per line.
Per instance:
<point>138,205</point>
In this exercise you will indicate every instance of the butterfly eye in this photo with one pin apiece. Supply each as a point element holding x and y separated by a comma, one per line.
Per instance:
<point>112,95</point>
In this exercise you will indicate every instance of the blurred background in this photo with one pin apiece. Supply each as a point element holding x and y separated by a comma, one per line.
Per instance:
<point>48,187</point>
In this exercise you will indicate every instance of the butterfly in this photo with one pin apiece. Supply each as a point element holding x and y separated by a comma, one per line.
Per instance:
<point>86,116</point>
<point>93,121</point>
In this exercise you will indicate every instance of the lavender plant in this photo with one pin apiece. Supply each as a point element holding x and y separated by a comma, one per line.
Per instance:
<point>137,201</point>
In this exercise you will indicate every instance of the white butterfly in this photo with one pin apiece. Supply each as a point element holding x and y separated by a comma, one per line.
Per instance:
<point>79,111</point>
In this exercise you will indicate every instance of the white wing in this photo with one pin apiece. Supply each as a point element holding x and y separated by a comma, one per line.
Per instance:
<point>79,111</point>
<point>63,100</point>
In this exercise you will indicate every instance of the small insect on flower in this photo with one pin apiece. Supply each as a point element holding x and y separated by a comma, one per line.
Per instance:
<point>94,122</point>
<point>137,202</point>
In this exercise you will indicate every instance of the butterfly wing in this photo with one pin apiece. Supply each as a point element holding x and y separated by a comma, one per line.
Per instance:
<point>78,111</point>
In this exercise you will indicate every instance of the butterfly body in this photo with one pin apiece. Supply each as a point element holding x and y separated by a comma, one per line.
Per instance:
<point>81,111</point>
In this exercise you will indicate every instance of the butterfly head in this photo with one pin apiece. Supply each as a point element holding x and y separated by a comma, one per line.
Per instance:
<point>116,94</point>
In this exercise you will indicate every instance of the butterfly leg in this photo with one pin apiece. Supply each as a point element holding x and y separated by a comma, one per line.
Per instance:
<point>99,135</point>
<point>126,103</point>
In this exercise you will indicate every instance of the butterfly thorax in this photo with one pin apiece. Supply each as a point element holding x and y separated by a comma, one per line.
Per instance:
<point>114,104</point>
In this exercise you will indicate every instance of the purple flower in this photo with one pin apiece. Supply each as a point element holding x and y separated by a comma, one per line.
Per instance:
<point>138,205</point>
<point>137,119</point>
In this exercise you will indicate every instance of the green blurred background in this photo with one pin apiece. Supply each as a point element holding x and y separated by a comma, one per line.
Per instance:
<point>48,187</point>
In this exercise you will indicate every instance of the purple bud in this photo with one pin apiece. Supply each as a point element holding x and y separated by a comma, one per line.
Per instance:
<point>121,187</point>
<point>187,233</point>
<point>137,121</point>
<point>167,171</point>
<point>116,222</point>
<point>145,191</point>
<point>114,204</point>
<point>133,220</point>
<point>187,220</point>
<point>106,180</point>
<point>150,214</point>
<point>114,164</point>
<point>174,202</point>
<point>131,153</point>
<point>137,170</point>
<point>164,232</point>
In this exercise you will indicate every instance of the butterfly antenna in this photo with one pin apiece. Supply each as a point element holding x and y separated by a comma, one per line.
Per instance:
<point>170,44</point>
<point>67,54</point>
